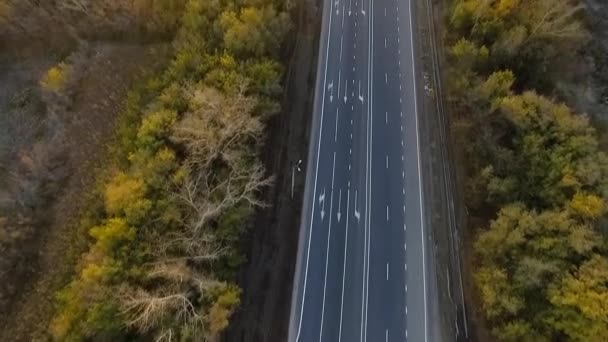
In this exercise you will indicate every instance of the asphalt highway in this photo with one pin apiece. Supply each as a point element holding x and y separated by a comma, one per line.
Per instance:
<point>361,272</point>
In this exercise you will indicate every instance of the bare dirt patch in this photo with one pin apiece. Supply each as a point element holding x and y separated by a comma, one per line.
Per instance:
<point>49,166</point>
<point>272,242</point>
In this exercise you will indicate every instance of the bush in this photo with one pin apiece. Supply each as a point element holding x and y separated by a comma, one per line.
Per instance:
<point>56,78</point>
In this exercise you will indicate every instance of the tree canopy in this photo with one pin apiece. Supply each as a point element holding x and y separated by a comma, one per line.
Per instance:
<point>162,259</point>
<point>536,175</point>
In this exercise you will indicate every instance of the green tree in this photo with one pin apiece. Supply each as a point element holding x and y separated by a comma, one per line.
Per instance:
<point>155,128</point>
<point>468,56</point>
<point>254,31</point>
<point>542,155</point>
<point>111,235</point>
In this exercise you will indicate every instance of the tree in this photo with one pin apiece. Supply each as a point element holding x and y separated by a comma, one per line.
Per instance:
<point>126,195</point>
<point>174,301</point>
<point>265,77</point>
<point>533,38</point>
<point>499,298</point>
<point>111,235</point>
<point>581,302</point>
<point>542,155</point>
<point>222,309</point>
<point>56,78</point>
<point>588,206</point>
<point>155,127</point>
<point>217,125</point>
<point>523,255</point>
<point>254,31</point>
<point>469,56</point>
<point>552,19</point>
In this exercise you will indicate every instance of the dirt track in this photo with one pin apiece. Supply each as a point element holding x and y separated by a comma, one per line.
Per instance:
<point>273,241</point>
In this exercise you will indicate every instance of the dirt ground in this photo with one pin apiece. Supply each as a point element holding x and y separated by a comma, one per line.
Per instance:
<point>77,137</point>
<point>272,243</point>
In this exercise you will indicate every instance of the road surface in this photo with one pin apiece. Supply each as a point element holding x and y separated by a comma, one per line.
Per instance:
<point>361,273</point>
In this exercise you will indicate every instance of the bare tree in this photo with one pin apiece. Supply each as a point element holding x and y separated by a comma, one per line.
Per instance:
<point>217,123</point>
<point>554,19</point>
<point>215,133</point>
<point>207,197</point>
<point>221,171</point>
<point>176,298</point>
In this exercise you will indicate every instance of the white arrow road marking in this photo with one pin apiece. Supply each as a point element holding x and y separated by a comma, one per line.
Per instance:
<point>322,202</point>
<point>357,213</point>
<point>350,5</point>
<point>360,95</point>
<point>339,80</point>
<point>339,205</point>
<point>346,92</point>
<point>331,205</point>
<point>330,87</point>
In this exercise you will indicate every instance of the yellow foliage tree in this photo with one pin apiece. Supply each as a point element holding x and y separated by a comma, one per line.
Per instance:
<point>222,309</point>
<point>588,205</point>
<point>111,234</point>
<point>56,78</point>
<point>125,195</point>
<point>581,302</point>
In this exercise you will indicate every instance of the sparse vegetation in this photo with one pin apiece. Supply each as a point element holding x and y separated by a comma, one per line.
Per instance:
<point>56,78</point>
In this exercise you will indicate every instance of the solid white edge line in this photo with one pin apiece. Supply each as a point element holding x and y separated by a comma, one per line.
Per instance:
<point>371,144</point>
<point>312,216</point>
<point>370,73</point>
<point>419,176</point>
